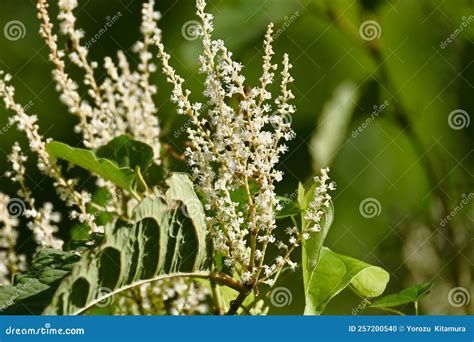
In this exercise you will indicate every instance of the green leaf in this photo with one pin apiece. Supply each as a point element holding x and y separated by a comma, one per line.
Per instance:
<point>240,195</point>
<point>289,208</point>
<point>32,291</point>
<point>305,197</point>
<point>126,152</point>
<point>312,247</point>
<point>301,196</point>
<point>161,241</point>
<point>409,295</point>
<point>334,273</point>
<point>123,177</point>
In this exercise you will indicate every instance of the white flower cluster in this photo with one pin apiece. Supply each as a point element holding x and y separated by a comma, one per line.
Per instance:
<point>27,124</point>
<point>237,138</point>
<point>236,148</point>
<point>42,222</point>
<point>44,226</point>
<point>175,297</point>
<point>321,199</point>
<point>123,102</point>
<point>10,261</point>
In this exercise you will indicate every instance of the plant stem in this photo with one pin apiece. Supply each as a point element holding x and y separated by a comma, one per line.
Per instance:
<point>216,293</point>
<point>254,232</point>
<point>236,303</point>
<point>219,278</point>
<point>225,280</point>
<point>140,180</point>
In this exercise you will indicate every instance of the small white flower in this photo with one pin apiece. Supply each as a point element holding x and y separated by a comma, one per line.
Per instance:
<point>279,260</point>
<point>246,277</point>
<point>267,270</point>
<point>293,241</point>
<point>292,265</point>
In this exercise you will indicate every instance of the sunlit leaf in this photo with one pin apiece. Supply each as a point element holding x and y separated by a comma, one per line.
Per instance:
<point>335,272</point>
<point>123,177</point>
<point>409,295</point>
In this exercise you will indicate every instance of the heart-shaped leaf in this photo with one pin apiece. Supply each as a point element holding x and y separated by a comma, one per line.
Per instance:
<point>334,272</point>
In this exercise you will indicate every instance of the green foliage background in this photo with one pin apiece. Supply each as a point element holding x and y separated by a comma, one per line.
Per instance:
<point>392,160</point>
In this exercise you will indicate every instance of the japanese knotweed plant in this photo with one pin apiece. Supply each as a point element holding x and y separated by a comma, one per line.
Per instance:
<point>214,241</point>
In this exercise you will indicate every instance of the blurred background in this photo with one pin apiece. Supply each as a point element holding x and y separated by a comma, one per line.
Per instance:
<point>384,91</point>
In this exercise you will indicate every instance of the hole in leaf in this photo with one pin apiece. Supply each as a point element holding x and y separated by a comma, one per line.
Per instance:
<point>109,269</point>
<point>134,263</point>
<point>80,292</point>
<point>151,232</point>
<point>188,248</point>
